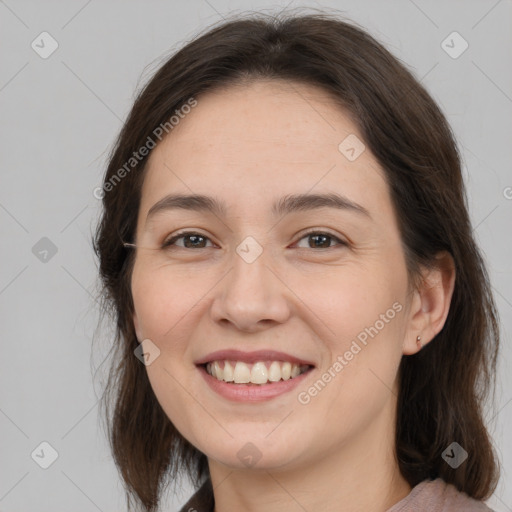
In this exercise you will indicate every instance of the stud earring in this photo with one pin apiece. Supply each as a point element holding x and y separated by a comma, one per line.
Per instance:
<point>418,342</point>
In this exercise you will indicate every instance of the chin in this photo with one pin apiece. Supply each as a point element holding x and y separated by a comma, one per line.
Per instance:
<point>255,452</point>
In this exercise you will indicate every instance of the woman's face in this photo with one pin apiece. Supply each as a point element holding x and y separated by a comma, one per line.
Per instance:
<point>251,279</point>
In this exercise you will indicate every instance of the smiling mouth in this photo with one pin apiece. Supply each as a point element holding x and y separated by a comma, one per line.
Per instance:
<point>260,372</point>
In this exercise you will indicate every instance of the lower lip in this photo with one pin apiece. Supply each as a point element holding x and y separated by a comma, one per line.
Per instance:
<point>252,392</point>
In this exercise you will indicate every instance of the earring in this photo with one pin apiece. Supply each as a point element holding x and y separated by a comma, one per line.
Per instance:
<point>418,342</point>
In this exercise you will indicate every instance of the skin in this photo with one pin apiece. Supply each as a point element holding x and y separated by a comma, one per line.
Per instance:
<point>248,146</point>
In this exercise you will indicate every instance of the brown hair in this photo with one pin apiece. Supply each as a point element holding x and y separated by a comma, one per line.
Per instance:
<point>443,388</point>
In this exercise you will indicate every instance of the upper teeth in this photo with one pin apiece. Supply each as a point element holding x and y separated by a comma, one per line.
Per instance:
<point>257,373</point>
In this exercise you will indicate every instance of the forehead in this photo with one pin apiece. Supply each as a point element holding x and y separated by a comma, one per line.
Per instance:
<point>264,140</point>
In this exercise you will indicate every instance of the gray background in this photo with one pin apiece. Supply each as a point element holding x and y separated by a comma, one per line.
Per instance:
<point>59,118</point>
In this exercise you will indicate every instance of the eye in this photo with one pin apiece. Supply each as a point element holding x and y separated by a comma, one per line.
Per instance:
<point>321,239</point>
<point>191,239</point>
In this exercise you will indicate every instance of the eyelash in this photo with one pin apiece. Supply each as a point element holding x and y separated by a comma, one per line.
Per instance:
<point>170,242</point>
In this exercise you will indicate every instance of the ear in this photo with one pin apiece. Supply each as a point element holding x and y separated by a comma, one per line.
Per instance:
<point>430,303</point>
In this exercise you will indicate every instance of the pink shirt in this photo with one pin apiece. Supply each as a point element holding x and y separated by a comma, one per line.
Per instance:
<point>438,496</point>
<point>427,496</point>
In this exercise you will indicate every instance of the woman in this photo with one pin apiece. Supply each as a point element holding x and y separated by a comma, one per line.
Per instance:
<point>286,249</point>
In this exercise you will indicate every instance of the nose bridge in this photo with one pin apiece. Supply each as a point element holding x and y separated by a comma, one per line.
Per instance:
<point>251,294</point>
<point>250,268</point>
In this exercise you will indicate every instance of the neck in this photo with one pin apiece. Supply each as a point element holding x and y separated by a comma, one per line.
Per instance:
<point>362,474</point>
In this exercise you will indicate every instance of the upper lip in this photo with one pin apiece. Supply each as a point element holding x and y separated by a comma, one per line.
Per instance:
<point>251,357</point>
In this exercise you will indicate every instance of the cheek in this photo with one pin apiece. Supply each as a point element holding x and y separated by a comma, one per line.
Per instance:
<point>163,301</point>
<point>360,303</point>
<point>164,306</point>
<point>358,381</point>
<point>363,314</point>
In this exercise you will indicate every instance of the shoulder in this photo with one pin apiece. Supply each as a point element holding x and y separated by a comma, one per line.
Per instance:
<point>202,500</point>
<point>438,496</point>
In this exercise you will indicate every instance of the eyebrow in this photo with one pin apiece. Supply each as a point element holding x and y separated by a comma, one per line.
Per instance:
<point>283,206</point>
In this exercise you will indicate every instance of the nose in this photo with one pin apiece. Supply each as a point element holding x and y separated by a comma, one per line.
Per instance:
<point>251,297</point>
